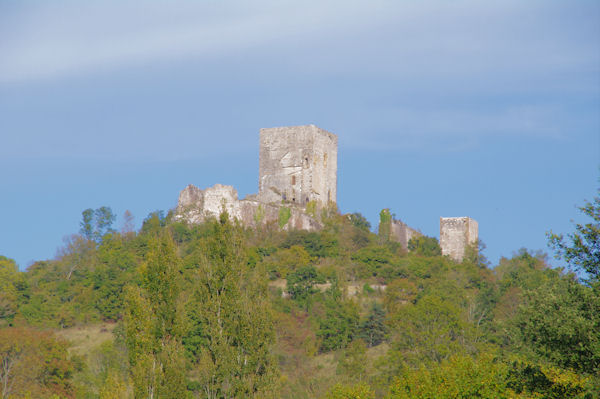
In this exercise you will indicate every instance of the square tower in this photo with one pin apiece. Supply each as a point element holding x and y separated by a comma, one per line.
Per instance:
<point>456,234</point>
<point>297,164</point>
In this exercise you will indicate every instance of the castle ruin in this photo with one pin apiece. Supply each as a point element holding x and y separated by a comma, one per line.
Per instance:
<point>297,167</point>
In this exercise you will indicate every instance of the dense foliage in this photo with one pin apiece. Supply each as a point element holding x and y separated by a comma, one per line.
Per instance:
<point>216,310</point>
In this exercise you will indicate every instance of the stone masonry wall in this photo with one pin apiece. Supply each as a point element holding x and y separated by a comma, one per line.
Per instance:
<point>456,233</point>
<point>297,164</point>
<point>196,205</point>
<point>402,233</point>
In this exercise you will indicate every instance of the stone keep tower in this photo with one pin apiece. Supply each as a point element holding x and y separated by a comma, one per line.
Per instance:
<point>456,234</point>
<point>297,164</point>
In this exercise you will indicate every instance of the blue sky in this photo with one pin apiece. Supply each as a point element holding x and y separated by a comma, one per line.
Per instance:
<point>463,108</point>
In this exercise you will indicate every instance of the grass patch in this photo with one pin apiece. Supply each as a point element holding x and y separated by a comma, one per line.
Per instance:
<point>85,338</point>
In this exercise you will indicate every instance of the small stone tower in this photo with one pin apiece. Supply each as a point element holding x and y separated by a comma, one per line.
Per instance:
<point>456,234</point>
<point>297,164</point>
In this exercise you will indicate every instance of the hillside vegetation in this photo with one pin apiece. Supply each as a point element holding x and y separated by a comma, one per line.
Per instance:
<point>220,311</point>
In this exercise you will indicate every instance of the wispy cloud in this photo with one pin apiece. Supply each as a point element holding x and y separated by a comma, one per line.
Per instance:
<point>49,41</point>
<point>396,38</point>
<point>388,74</point>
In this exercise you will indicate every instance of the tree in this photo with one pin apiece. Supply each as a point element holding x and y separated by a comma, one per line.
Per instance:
<point>474,255</point>
<point>431,330</point>
<point>456,377</point>
<point>104,217</point>
<point>96,223</point>
<point>583,250</point>
<point>338,323</point>
<point>34,364</point>
<point>87,224</point>
<point>9,276</point>
<point>231,329</point>
<point>561,324</point>
<point>530,380</point>
<point>399,293</point>
<point>128,223</point>
<point>359,221</point>
<point>358,391</point>
<point>373,330</point>
<point>77,254</point>
<point>287,260</point>
<point>154,222</point>
<point>300,283</point>
<point>154,324</point>
<point>424,246</point>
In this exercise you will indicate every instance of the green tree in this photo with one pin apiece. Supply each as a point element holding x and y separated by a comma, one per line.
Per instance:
<point>373,329</point>
<point>530,380</point>
<point>359,221</point>
<point>338,322</point>
<point>424,246</point>
<point>96,223</point>
<point>560,323</point>
<point>431,330</point>
<point>154,325</point>
<point>357,391</point>
<point>87,224</point>
<point>300,283</point>
<point>583,250</point>
<point>456,377</point>
<point>232,328</point>
<point>9,278</point>
<point>474,255</point>
<point>286,260</point>
<point>154,222</point>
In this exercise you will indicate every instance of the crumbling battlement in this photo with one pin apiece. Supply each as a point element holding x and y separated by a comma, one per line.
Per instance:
<point>298,164</point>
<point>456,234</point>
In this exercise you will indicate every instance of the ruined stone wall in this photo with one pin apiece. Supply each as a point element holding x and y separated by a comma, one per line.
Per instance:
<point>402,233</point>
<point>297,164</point>
<point>196,206</point>
<point>456,233</point>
